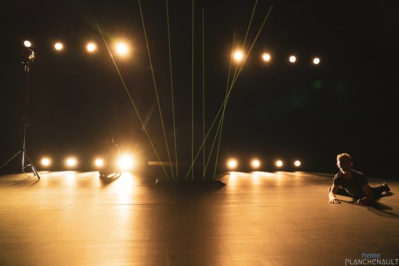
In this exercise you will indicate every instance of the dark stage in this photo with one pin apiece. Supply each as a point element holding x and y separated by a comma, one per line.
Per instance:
<point>259,218</point>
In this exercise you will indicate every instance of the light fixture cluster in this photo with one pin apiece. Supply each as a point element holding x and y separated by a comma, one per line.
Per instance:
<point>120,47</point>
<point>255,164</point>
<point>125,162</point>
<point>239,56</point>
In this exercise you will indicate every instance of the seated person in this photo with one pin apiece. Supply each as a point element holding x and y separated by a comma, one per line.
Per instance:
<point>349,182</point>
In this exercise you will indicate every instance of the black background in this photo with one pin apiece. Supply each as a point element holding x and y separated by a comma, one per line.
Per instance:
<point>275,110</point>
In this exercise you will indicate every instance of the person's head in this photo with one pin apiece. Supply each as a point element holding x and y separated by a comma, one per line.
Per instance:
<point>344,162</point>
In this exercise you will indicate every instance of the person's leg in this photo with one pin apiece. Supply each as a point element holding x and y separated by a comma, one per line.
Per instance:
<point>379,189</point>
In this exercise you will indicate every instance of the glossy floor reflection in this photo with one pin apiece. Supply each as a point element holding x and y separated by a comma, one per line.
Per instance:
<point>74,218</point>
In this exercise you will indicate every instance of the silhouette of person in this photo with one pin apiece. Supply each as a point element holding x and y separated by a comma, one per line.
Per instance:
<point>111,155</point>
<point>349,182</point>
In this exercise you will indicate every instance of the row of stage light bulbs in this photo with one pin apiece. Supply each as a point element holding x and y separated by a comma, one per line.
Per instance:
<point>122,49</point>
<point>125,162</point>
<point>255,163</point>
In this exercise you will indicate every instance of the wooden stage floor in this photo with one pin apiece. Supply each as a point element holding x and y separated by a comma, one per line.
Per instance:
<point>260,218</point>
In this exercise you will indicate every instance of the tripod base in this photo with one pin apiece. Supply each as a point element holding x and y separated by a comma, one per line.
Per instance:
<point>25,156</point>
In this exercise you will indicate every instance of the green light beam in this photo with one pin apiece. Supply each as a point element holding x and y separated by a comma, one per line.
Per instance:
<point>223,106</point>
<point>156,90</point>
<point>192,85</point>
<point>130,97</point>
<point>172,89</point>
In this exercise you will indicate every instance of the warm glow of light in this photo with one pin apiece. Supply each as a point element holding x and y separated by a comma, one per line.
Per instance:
<point>266,57</point>
<point>71,162</point>
<point>238,56</point>
<point>46,161</point>
<point>122,48</point>
<point>58,46</point>
<point>279,163</point>
<point>316,60</point>
<point>27,43</point>
<point>255,163</point>
<point>292,59</point>
<point>91,47</point>
<point>99,162</point>
<point>297,163</point>
<point>232,163</point>
<point>126,162</point>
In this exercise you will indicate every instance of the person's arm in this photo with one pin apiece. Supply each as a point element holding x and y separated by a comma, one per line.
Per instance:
<point>369,196</point>
<point>332,196</point>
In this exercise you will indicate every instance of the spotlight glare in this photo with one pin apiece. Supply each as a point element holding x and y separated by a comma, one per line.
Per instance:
<point>27,43</point>
<point>292,59</point>
<point>46,161</point>
<point>255,163</point>
<point>71,162</point>
<point>316,60</point>
<point>232,163</point>
<point>99,162</point>
<point>266,57</point>
<point>126,162</point>
<point>238,56</point>
<point>297,163</point>
<point>279,163</point>
<point>91,47</point>
<point>122,48</point>
<point>58,46</point>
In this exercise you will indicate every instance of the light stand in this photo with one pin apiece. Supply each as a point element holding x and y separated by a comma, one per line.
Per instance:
<point>27,60</point>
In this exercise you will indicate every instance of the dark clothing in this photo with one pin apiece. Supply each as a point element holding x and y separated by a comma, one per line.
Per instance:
<point>111,159</point>
<point>111,153</point>
<point>353,187</point>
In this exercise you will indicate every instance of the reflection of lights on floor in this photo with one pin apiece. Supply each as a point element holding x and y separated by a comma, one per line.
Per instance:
<point>123,186</point>
<point>233,179</point>
<point>256,178</point>
<point>70,178</point>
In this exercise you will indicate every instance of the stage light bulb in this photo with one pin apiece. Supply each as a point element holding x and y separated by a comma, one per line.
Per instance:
<point>279,163</point>
<point>126,162</point>
<point>255,163</point>
<point>238,56</point>
<point>91,47</point>
<point>122,49</point>
<point>27,44</point>
<point>266,57</point>
<point>297,163</point>
<point>71,162</point>
<point>99,162</point>
<point>232,163</point>
<point>58,46</point>
<point>316,60</point>
<point>46,161</point>
<point>292,59</point>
